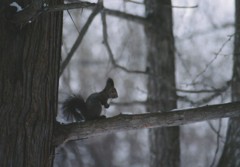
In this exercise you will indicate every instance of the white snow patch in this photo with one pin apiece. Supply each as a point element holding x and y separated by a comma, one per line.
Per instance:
<point>15,4</point>
<point>45,5</point>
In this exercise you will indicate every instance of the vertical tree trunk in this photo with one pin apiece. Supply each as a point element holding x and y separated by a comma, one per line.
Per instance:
<point>164,142</point>
<point>29,61</point>
<point>231,151</point>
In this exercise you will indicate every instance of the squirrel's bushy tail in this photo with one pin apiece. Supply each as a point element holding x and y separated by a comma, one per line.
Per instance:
<point>74,107</point>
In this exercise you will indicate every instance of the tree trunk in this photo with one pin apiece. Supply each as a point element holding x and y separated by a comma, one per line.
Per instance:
<point>29,61</point>
<point>231,151</point>
<point>164,142</point>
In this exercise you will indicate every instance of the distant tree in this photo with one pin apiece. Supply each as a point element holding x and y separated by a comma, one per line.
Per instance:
<point>231,151</point>
<point>164,142</point>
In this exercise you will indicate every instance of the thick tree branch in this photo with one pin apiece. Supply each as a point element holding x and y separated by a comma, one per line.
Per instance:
<point>88,5</point>
<point>32,11</point>
<point>68,6</point>
<point>76,131</point>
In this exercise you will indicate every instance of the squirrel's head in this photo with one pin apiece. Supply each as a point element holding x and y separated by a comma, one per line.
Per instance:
<point>111,90</point>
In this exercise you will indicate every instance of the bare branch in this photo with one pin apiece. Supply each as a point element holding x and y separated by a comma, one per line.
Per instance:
<point>21,17</point>
<point>215,130</point>
<point>214,58</point>
<point>218,144</point>
<point>215,93</point>
<point>130,103</point>
<point>80,37</point>
<point>109,50</point>
<point>131,1</point>
<point>202,101</point>
<point>222,89</point>
<point>207,31</point>
<point>184,7</point>
<point>96,10</point>
<point>75,131</point>
<point>123,15</point>
<point>172,6</point>
<point>68,6</point>
<point>88,5</point>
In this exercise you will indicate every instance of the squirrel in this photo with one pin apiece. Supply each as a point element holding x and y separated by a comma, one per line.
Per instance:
<point>81,111</point>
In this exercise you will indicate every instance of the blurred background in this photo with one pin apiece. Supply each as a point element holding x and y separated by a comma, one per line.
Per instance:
<point>195,53</point>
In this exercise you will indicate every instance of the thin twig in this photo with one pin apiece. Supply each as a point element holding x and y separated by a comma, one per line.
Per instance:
<point>222,89</point>
<point>202,101</point>
<point>214,58</point>
<point>110,53</point>
<point>73,21</point>
<point>123,15</point>
<point>206,31</point>
<point>214,129</point>
<point>135,2</point>
<point>218,143</point>
<point>79,39</point>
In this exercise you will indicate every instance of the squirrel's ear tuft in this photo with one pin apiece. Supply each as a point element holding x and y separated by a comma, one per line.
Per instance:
<point>110,82</point>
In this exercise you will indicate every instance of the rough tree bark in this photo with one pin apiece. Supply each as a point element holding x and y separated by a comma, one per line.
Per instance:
<point>231,151</point>
<point>164,142</point>
<point>78,131</point>
<point>29,60</point>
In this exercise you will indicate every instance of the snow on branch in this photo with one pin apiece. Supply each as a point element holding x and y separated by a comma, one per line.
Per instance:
<point>31,11</point>
<point>68,6</point>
